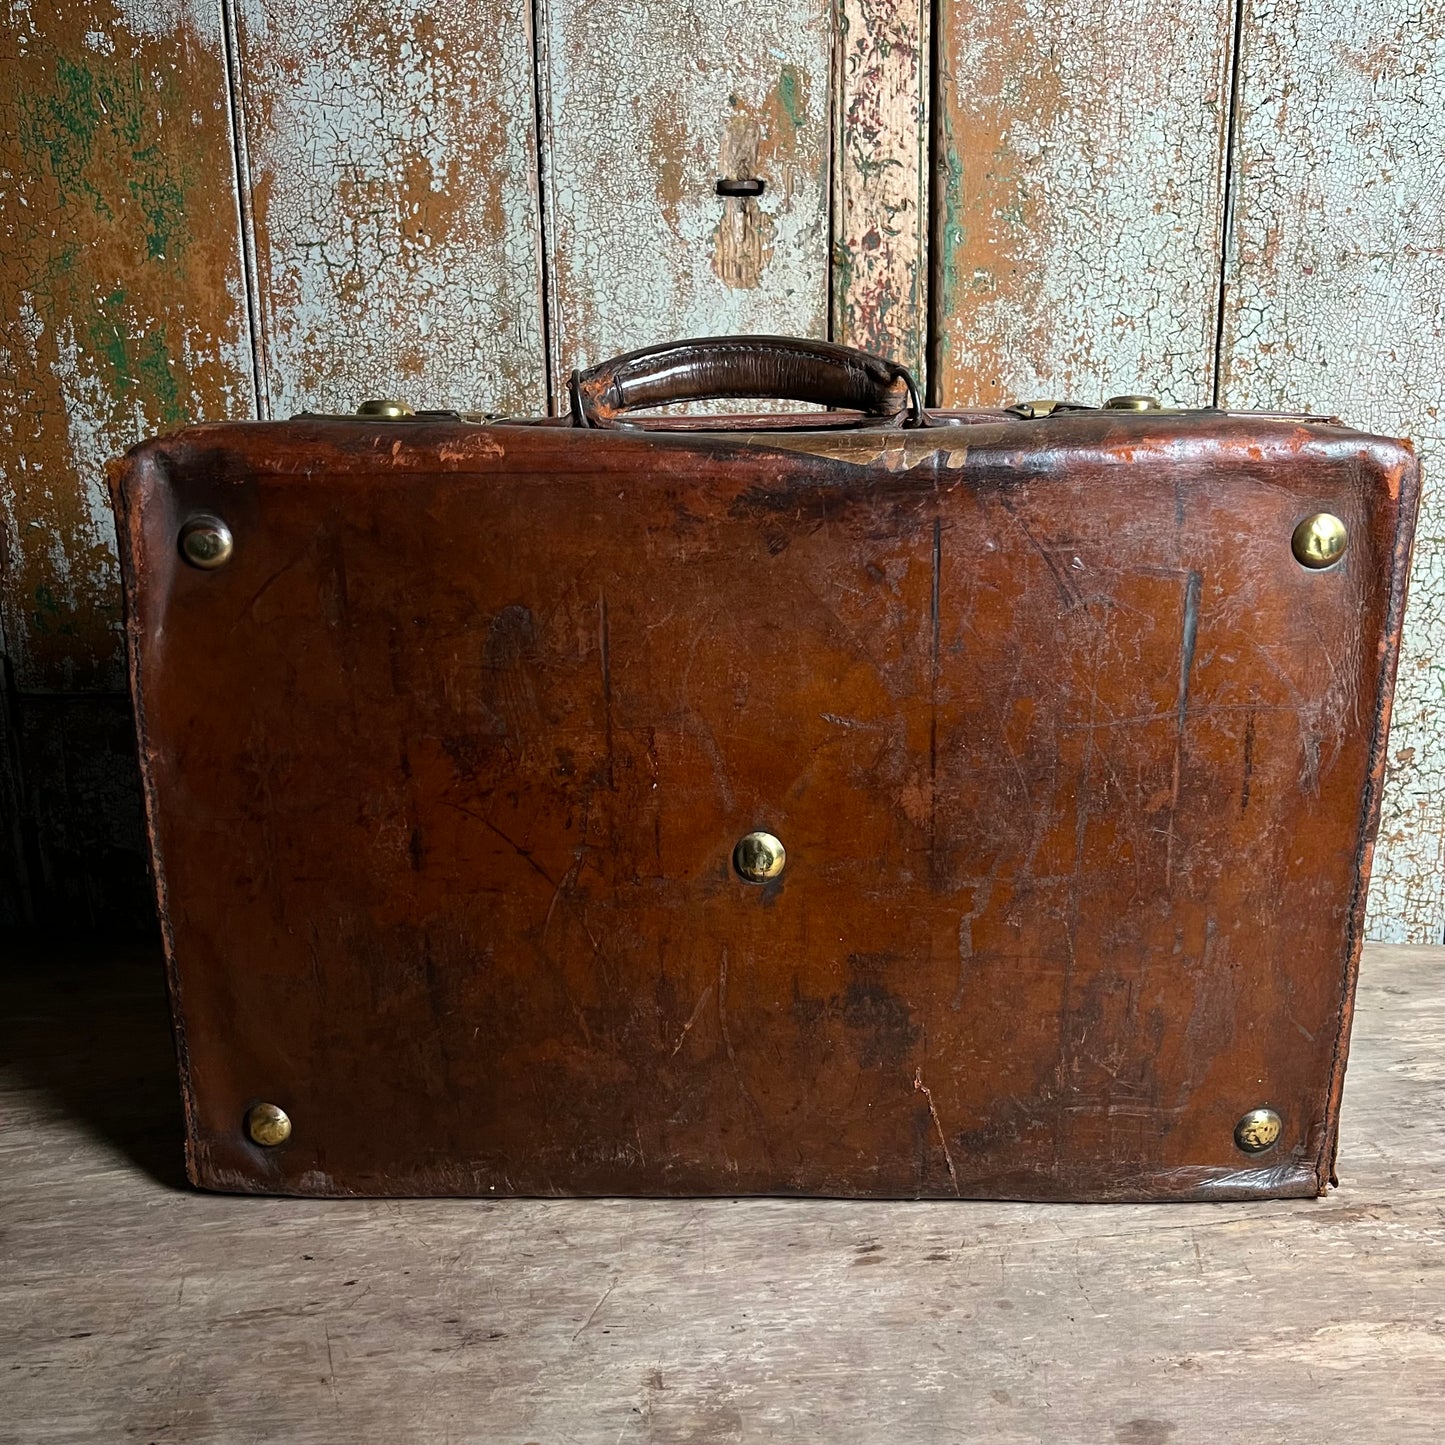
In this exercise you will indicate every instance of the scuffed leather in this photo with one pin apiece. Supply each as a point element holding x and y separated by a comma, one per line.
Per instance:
<point>447,764</point>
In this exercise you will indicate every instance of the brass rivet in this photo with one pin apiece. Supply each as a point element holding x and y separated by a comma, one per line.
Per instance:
<point>268,1124</point>
<point>1319,541</point>
<point>1132,403</point>
<point>384,407</point>
<point>206,542</point>
<point>759,857</point>
<point>1258,1131</point>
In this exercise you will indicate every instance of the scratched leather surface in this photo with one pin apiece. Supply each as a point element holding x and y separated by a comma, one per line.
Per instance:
<point>1076,768</point>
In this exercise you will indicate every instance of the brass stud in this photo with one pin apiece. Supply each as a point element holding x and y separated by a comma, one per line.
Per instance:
<point>1258,1131</point>
<point>1033,410</point>
<point>1319,541</point>
<point>385,408</point>
<point>206,542</point>
<point>1132,403</point>
<point>759,857</point>
<point>268,1124</point>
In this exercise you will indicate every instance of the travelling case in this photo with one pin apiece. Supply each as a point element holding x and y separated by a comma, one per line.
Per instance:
<point>870,802</point>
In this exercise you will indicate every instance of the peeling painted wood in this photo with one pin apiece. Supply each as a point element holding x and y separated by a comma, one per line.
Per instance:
<point>881,181</point>
<point>390,158</point>
<point>1335,299</point>
<point>122,308</point>
<point>1082,158</point>
<point>643,111</point>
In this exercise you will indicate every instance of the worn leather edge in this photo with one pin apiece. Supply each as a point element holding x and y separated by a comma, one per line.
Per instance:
<point>443,446</point>
<point>1290,1179</point>
<point>1408,483</point>
<point>141,468</point>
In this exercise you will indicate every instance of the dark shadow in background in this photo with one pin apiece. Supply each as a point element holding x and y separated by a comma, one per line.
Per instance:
<point>88,1026</point>
<point>73,855</point>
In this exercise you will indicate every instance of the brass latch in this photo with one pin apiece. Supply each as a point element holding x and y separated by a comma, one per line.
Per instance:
<point>386,409</point>
<point>1046,406</point>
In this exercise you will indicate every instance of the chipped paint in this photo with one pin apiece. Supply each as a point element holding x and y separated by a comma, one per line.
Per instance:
<point>392,166</point>
<point>121,301</point>
<point>880,200</point>
<point>1083,156</point>
<point>743,242</point>
<point>1335,289</point>
<point>642,114</point>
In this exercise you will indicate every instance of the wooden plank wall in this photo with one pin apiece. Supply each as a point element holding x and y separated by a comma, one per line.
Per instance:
<point>221,208</point>
<point>123,307</point>
<point>881,178</point>
<point>1081,161</point>
<point>641,116</point>
<point>389,163</point>
<point>1241,208</point>
<point>1335,299</point>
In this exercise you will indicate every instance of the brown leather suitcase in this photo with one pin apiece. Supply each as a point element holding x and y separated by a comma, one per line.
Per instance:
<point>872,802</point>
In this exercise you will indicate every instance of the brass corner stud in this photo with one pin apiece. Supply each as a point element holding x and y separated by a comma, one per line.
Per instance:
<point>268,1124</point>
<point>759,857</point>
<point>206,542</point>
<point>1319,541</point>
<point>1258,1130</point>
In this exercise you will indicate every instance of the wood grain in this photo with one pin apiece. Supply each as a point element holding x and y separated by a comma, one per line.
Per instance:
<point>390,158</point>
<point>881,180</point>
<point>133,1309</point>
<point>641,117</point>
<point>1081,169</point>
<point>1335,294</point>
<point>121,297</point>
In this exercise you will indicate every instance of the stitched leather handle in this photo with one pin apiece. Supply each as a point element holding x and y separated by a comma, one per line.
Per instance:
<point>711,367</point>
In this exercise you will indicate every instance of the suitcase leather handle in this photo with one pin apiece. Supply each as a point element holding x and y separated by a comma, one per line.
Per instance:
<point>782,367</point>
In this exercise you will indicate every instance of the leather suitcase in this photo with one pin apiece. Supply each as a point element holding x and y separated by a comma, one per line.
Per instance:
<point>866,802</point>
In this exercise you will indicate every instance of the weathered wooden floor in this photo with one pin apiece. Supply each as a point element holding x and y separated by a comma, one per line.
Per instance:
<point>133,1309</point>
